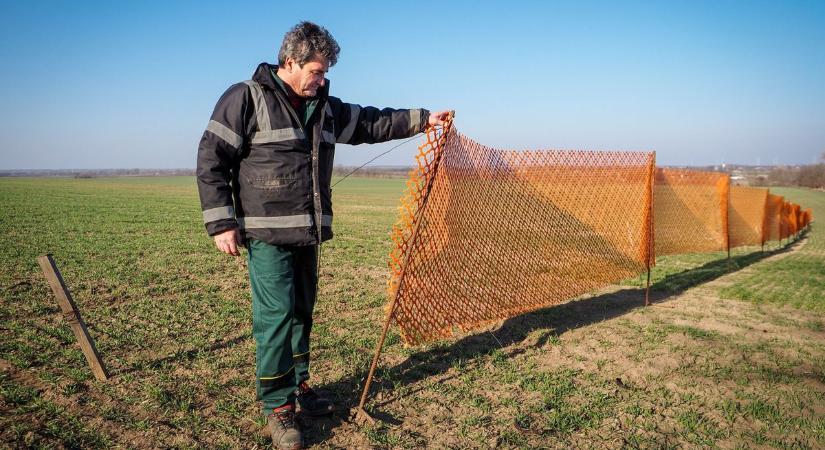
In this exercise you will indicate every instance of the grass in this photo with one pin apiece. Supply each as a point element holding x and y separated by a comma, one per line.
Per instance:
<point>797,280</point>
<point>171,318</point>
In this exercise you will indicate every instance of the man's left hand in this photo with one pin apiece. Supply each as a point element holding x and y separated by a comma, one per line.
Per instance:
<point>438,118</point>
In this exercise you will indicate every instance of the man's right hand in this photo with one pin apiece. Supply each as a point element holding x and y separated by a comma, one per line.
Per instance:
<point>228,241</point>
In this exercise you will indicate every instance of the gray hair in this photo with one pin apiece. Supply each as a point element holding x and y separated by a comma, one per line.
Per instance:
<point>306,41</point>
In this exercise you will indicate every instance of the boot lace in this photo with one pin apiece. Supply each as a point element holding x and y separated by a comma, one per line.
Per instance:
<point>285,417</point>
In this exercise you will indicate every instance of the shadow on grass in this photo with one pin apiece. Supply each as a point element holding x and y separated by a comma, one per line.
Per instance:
<point>180,356</point>
<point>677,283</point>
<point>551,322</point>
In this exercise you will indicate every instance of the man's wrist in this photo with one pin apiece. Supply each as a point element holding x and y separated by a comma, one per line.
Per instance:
<point>222,228</point>
<point>425,119</point>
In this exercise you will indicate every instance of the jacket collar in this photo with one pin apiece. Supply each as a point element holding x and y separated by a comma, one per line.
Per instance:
<point>263,75</point>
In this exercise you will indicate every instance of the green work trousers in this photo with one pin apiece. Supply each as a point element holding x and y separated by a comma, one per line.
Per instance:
<point>284,282</point>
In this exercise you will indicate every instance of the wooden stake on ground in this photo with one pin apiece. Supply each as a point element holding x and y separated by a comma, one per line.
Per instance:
<point>650,245</point>
<point>647,289</point>
<point>361,415</point>
<point>72,316</point>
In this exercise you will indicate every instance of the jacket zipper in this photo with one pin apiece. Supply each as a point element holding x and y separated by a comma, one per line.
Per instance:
<point>313,161</point>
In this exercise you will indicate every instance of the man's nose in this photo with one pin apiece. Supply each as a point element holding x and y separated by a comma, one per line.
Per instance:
<point>321,83</point>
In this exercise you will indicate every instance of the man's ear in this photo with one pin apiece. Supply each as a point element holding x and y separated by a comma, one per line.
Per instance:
<point>291,65</point>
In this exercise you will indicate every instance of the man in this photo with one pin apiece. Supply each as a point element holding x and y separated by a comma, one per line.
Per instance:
<point>264,170</point>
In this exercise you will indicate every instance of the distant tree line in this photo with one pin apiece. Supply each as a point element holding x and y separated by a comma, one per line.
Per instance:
<point>372,172</point>
<point>94,173</point>
<point>811,176</point>
<point>369,171</point>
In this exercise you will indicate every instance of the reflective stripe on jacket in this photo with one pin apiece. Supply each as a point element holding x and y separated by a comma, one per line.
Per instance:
<point>261,170</point>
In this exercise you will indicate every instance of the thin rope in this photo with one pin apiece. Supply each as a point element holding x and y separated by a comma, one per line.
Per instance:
<point>494,337</point>
<point>373,159</point>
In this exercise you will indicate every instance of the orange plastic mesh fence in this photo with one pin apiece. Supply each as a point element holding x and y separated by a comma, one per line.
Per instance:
<point>789,219</point>
<point>486,234</point>
<point>784,221</point>
<point>808,217</point>
<point>746,215</point>
<point>690,211</point>
<point>773,217</point>
<point>793,219</point>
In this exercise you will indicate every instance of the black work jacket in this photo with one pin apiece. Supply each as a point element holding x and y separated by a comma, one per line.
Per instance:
<point>260,169</point>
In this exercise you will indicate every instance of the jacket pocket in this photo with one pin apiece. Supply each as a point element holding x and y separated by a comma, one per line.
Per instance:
<point>272,183</point>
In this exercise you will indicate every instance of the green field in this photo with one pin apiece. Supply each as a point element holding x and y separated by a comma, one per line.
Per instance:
<point>731,355</point>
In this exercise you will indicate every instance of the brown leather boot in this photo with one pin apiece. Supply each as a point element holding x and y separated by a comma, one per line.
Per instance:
<point>285,432</point>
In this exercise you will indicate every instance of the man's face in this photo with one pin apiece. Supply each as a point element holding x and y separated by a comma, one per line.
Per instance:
<point>306,80</point>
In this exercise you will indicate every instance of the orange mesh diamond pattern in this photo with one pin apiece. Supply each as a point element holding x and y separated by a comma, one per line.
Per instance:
<point>773,217</point>
<point>690,211</point>
<point>746,215</point>
<point>486,234</point>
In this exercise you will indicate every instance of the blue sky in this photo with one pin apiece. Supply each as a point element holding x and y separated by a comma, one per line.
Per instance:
<point>132,84</point>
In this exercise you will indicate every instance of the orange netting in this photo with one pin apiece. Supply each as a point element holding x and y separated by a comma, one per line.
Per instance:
<point>789,219</point>
<point>793,219</point>
<point>746,215</point>
<point>690,211</point>
<point>486,234</point>
<point>773,217</point>
<point>807,217</point>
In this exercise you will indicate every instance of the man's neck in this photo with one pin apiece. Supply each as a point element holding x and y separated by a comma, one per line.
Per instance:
<point>284,77</point>
<point>294,99</point>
